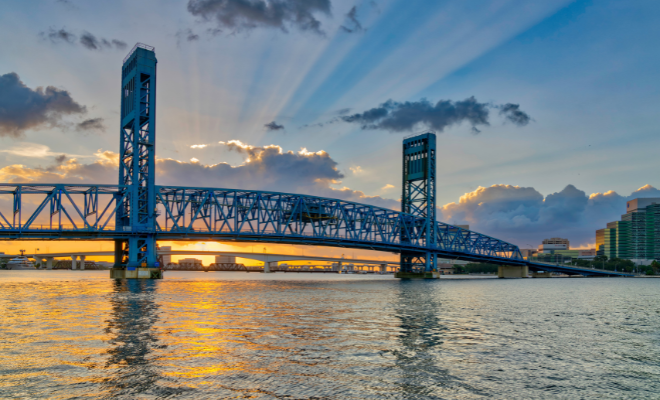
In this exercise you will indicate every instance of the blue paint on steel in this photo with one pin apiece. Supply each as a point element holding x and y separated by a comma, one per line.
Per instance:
<point>137,167</point>
<point>136,212</point>
<point>418,198</point>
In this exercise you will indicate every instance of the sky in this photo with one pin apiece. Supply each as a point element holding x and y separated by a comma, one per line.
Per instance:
<point>545,111</point>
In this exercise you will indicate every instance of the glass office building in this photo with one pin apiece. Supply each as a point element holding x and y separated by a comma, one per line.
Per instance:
<point>636,236</point>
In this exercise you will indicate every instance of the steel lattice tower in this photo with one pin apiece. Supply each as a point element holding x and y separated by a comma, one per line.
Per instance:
<point>418,198</point>
<point>137,169</point>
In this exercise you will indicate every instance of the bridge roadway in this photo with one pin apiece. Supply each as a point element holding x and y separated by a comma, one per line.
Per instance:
<point>265,257</point>
<point>272,257</point>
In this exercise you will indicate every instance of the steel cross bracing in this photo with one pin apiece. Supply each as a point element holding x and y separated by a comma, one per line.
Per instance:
<point>137,157</point>
<point>418,196</point>
<point>86,212</point>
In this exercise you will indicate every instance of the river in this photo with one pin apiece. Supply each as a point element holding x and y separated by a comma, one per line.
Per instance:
<point>224,335</point>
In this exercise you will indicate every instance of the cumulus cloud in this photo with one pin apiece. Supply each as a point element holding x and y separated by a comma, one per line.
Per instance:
<point>268,168</point>
<point>87,40</point>
<point>407,116</point>
<point>22,108</point>
<point>92,124</point>
<point>243,15</point>
<point>264,168</point>
<point>103,170</point>
<point>355,25</point>
<point>273,126</point>
<point>524,216</point>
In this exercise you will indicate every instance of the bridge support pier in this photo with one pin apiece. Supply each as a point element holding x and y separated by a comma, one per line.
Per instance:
<point>268,265</point>
<point>82,263</point>
<point>74,263</point>
<point>49,262</point>
<point>512,271</point>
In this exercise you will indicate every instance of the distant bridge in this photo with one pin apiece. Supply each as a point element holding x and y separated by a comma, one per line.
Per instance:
<point>136,213</point>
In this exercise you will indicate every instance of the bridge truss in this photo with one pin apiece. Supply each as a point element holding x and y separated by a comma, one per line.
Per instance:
<point>183,213</point>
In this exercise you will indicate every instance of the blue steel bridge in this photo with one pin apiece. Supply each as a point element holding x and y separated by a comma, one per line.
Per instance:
<point>136,212</point>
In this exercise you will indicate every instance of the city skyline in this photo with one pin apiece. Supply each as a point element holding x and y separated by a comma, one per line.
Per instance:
<point>319,104</point>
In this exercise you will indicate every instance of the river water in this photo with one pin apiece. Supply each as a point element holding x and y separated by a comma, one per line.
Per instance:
<point>78,334</point>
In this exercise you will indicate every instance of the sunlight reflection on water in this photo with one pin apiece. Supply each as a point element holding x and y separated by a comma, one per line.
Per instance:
<point>329,338</point>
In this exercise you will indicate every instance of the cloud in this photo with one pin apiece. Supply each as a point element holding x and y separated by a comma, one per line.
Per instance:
<point>273,126</point>
<point>407,116</point>
<point>93,124</point>
<point>356,26</point>
<point>91,42</point>
<point>22,108</point>
<point>198,146</point>
<point>186,34</point>
<point>524,216</point>
<point>387,187</point>
<point>59,35</point>
<point>103,170</point>
<point>34,150</point>
<point>513,114</point>
<point>244,15</point>
<point>357,170</point>
<point>268,168</point>
<point>87,40</point>
<point>264,168</point>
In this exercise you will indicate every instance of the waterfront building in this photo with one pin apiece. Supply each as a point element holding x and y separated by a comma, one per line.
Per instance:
<point>555,244</point>
<point>167,259</point>
<point>636,236</point>
<point>190,263</point>
<point>225,259</point>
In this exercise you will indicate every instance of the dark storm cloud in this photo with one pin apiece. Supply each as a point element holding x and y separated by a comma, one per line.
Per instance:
<point>273,126</point>
<point>91,42</point>
<point>355,25</point>
<point>406,116</point>
<point>60,159</point>
<point>59,35</point>
<point>22,108</point>
<point>238,15</point>
<point>513,114</point>
<point>93,124</point>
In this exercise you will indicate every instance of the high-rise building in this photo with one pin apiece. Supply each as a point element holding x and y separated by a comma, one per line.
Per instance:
<point>636,236</point>
<point>555,244</point>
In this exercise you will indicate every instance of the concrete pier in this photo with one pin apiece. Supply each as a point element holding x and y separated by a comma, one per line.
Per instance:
<point>136,273</point>
<point>512,271</point>
<point>417,275</point>
<point>74,262</point>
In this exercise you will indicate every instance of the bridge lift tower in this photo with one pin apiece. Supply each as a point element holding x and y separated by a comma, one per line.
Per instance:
<point>418,198</point>
<point>137,170</point>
